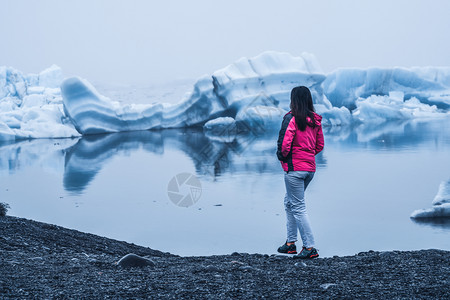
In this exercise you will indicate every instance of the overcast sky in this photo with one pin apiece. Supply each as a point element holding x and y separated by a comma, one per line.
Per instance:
<point>138,41</point>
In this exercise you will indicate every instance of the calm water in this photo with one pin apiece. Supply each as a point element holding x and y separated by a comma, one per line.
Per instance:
<point>369,180</point>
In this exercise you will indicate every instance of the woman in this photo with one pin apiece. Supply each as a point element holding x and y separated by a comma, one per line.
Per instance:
<point>299,140</point>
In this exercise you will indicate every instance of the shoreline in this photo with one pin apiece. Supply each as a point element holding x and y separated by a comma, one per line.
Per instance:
<point>48,261</point>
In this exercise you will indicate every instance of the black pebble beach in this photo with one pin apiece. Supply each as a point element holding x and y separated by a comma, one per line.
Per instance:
<point>39,260</point>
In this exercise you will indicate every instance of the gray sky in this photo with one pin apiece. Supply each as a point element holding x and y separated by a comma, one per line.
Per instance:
<point>138,41</point>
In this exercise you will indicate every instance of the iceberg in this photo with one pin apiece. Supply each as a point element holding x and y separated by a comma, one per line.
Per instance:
<point>254,92</point>
<point>394,107</point>
<point>31,106</point>
<point>429,84</point>
<point>265,80</point>
<point>440,205</point>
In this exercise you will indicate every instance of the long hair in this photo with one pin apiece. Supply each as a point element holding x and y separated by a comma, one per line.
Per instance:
<point>302,107</point>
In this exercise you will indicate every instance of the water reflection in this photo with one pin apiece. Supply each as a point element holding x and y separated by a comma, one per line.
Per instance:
<point>391,135</point>
<point>88,156</point>
<point>443,223</point>
<point>82,159</point>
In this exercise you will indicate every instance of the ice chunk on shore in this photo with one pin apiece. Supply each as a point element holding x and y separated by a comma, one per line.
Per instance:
<point>443,195</point>
<point>441,204</point>
<point>436,211</point>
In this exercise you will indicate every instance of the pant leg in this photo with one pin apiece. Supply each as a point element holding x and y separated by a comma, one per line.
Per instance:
<point>296,182</point>
<point>291,222</point>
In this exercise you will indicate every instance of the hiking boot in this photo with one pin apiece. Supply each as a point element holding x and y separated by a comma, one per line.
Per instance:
<point>307,253</point>
<point>291,249</point>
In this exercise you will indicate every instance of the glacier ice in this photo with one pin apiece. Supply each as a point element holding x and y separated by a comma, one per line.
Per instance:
<point>440,206</point>
<point>31,106</point>
<point>393,107</point>
<point>344,86</point>
<point>252,91</point>
<point>221,126</point>
<point>265,80</point>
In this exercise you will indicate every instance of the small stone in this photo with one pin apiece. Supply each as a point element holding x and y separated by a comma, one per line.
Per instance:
<point>217,204</point>
<point>36,258</point>
<point>211,268</point>
<point>246,268</point>
<point>325,286</point>
<point>132,260</point>
<point>300,264</point>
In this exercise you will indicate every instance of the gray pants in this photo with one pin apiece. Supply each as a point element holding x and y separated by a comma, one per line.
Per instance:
<point>294,203</point>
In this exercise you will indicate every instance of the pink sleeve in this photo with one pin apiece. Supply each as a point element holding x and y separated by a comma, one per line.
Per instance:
<point>288,138</point>
<point>319,140</point>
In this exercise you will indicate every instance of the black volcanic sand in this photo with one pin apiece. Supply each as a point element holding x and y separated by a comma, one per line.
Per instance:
<point>39,260</point>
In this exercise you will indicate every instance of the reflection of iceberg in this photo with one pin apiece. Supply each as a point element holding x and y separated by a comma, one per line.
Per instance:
<point>48,154</point>
<point>85,159</point>
<point>251,152</point>
<point>391,134</point>
<point>441,205</point>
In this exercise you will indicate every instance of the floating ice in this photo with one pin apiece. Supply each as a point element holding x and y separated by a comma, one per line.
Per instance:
<point>93,113</point>
<point>334,116</point>
<point>265,80</point>
<point>441,204</point>
<point>344,86</point>
<point>31,106</point>
<point>253,91</point>
<point>393,107</point>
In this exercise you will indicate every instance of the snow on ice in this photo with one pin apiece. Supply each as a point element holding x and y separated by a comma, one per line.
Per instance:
<point>252,92</point>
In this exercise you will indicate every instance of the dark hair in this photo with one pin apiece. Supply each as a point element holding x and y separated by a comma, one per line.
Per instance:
<point>302,107</point>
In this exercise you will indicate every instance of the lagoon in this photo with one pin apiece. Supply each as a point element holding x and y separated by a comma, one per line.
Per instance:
<point>369,180</point>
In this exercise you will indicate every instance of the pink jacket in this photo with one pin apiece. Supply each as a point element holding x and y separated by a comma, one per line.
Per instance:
<point>297,149</point>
